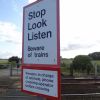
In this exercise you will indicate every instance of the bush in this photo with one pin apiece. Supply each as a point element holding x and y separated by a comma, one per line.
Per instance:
<point>63,64</point>
<point>3,66</point>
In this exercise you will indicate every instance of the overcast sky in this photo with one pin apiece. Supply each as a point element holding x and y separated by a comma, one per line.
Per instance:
<point>79,27</point>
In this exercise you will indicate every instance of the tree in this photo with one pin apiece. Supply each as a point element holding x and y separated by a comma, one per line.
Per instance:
<point>95,55</point>
<point>14,59</point>
<point>82,63</point>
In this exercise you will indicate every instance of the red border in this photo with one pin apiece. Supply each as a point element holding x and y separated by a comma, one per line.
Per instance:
<point>58,32</point>
<point>43,68</point>
<point>58,36</point>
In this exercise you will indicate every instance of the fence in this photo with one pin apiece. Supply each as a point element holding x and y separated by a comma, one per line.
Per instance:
<point>15,71</point>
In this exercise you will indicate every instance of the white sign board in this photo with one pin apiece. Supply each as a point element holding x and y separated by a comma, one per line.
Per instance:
<point>40,33</point>
<point>41,81</point>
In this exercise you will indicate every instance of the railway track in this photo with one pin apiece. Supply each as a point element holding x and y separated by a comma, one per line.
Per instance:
<point>79,80</point>
<point>70,88</point>
<point>74,86</point>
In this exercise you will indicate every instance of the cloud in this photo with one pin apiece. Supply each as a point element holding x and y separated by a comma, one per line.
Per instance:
<point>79,27</point>
<point>70,47</point>
<point>10,40</point>
<point>71,50</point>
<point>9,32</point>
<point>30,1</point>
<point>6,54</point>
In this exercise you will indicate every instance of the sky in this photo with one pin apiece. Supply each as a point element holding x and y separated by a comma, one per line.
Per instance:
<point>79,27</point>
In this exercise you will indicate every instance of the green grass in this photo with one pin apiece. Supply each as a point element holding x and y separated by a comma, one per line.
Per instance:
<point>67,61</point>
<point>3,61</point>
<point>97,62</point>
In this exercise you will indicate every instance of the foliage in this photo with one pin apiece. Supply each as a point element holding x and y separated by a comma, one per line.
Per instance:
<point>68,70</point>
<point>66,62</point>
<point>98,68</point>
<point>14,59</point>
<point>63,64</point>
<point>71,70</point>
<point>82,63</point>
<point>95,55</point>
<point>2,66</point>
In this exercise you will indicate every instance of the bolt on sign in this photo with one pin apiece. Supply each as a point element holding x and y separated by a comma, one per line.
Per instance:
<point>41,33</point>
<point>44,82</point>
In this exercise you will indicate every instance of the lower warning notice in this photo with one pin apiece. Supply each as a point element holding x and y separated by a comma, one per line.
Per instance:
<point>41,81</point>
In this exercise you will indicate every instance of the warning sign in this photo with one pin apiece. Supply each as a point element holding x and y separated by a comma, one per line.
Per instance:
<point>41,33</point>
<point>41,49</point>
<point>41,81</point>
